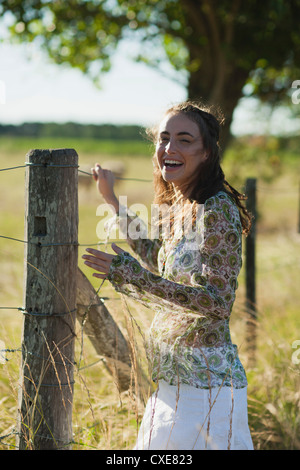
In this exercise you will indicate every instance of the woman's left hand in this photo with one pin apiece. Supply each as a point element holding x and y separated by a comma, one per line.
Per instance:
<point>100,261</point>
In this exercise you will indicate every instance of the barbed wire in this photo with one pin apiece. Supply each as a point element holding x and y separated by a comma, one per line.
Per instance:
<point>41,245</point>
<point>50,165</point>
<point>25,312</point>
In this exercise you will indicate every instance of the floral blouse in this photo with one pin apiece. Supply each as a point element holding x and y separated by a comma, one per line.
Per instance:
<point>192,292</point>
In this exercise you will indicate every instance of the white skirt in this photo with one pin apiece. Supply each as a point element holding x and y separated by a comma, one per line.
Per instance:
<point>192,418</point>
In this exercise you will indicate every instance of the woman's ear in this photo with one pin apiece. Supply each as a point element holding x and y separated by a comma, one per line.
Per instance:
<point>205,154</point>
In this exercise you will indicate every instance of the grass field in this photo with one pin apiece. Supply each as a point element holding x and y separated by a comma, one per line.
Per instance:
<point>104,419</point>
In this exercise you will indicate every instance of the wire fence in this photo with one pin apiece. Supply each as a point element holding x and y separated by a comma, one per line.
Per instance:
<point>259,188</point>
<point>75,166</point>
<point>280,191</point>
<point>5,351</point>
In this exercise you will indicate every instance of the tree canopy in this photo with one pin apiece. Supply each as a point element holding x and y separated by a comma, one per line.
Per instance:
<point>219,46</point>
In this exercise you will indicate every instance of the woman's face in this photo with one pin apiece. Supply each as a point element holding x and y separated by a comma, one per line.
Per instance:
<point>179,149</point>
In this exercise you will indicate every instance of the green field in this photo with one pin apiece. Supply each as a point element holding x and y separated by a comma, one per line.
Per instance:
<point>104,419</point>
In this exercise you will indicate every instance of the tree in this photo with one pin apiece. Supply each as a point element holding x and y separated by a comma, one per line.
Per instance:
<point>218,46</point>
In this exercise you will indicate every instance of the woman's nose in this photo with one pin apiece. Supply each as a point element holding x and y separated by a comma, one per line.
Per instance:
<point>170,147</point>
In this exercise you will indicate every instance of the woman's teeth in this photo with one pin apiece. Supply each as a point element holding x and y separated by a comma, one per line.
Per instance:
<point>172,163</point>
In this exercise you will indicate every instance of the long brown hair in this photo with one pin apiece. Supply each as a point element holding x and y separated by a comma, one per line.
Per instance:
<point>210,178</point>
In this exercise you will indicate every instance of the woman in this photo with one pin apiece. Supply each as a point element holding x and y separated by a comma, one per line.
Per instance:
<point>201,398</point>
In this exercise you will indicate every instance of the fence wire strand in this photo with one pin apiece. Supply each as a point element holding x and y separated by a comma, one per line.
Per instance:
<point>69,166</point>
<point>21,309</point>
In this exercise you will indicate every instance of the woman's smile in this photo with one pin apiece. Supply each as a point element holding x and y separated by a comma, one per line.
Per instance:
<point>171,165</point>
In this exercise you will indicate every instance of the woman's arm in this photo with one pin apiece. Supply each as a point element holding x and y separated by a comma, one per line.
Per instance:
<point>145,248</point>
<point>212,289</point>
<point>135,231</point>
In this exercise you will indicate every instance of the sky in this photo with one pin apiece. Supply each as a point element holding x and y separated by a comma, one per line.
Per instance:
<point>32,89</point>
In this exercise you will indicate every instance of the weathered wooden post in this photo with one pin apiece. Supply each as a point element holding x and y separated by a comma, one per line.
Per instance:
<point>250,272</point>
<point>51,258</point>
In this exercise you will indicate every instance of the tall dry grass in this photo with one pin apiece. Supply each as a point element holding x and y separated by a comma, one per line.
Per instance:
<point>102,417</point>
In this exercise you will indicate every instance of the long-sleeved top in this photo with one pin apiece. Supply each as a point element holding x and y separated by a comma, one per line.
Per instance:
<point>191,290</point>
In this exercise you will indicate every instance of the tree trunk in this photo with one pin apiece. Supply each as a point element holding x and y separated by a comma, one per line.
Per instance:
<point>218,80</point>
<point>225,98</point>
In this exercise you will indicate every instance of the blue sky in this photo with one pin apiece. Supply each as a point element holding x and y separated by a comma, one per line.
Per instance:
<point>32,89</point>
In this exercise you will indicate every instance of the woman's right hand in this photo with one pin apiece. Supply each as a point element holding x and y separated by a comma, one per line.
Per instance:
<point>105,183</point>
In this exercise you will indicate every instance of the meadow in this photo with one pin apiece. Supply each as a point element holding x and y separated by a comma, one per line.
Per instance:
<point>102,417</point>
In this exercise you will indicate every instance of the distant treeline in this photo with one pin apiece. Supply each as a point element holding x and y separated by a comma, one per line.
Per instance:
<point>72,129</point>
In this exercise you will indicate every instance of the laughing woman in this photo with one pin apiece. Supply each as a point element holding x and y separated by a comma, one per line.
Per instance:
<point>201,396</point>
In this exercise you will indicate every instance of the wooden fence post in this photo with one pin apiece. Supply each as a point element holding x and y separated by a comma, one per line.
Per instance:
<point>51,259</point>
<point>250,273</point>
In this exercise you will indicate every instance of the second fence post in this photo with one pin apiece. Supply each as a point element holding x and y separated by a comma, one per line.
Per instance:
<point>251,273</point>
<point>48,338</point>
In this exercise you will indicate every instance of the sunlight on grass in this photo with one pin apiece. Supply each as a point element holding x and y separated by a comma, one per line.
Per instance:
<point>102,417</point>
